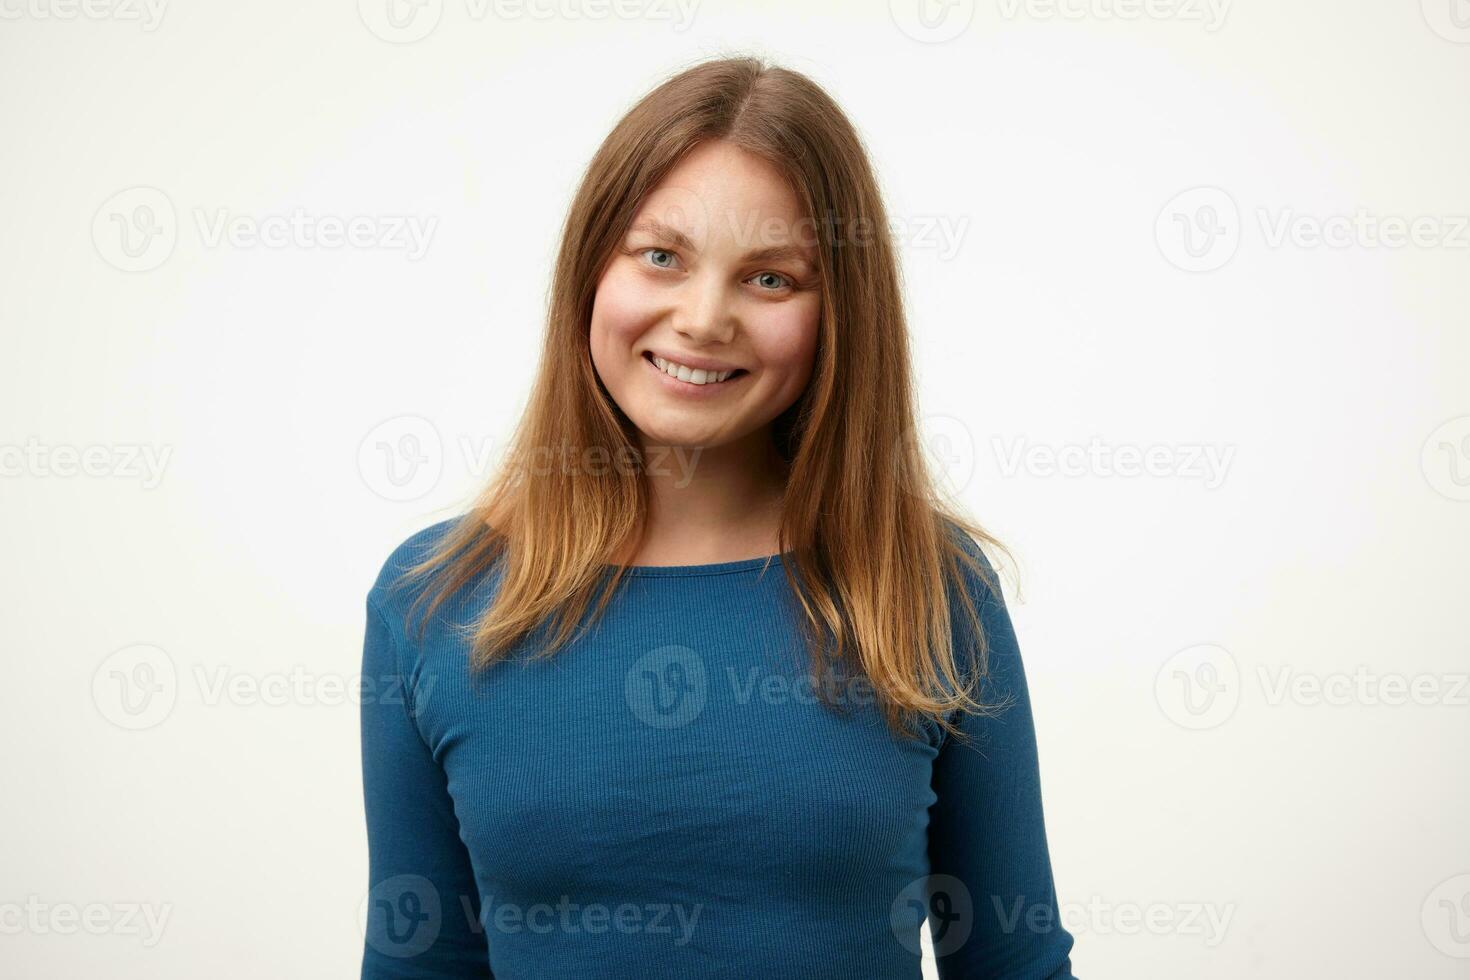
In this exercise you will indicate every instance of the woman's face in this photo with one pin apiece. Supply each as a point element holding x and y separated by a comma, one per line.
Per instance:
<point>716,274</point>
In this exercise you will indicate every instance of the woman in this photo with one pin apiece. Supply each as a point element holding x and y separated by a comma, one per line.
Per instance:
<point>708,683</point>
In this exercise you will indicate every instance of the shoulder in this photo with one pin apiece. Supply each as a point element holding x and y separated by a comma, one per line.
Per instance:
<point>990,662</point>
<point>977,578</point>
<point>392,590</point>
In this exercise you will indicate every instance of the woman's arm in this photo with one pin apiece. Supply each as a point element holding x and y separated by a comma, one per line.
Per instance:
<point>423,906</point>
<point>993,911</point>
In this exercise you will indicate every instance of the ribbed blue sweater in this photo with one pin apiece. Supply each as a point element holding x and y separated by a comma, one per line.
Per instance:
<point>666,799</point>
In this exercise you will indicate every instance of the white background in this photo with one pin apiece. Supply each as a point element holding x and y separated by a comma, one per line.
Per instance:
<point>1035,157</point>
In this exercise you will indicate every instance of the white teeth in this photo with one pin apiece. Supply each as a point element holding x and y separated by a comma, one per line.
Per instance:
<point>696,376</point>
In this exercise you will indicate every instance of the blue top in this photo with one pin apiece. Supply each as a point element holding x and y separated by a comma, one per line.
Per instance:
<point>665,797</point>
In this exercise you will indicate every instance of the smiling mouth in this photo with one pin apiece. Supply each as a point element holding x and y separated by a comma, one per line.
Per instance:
<point>693,376</point>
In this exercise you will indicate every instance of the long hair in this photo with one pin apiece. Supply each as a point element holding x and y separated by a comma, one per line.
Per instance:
<point>872,547</point>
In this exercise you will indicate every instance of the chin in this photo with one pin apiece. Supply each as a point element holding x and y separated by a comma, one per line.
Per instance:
<point>688,438</point>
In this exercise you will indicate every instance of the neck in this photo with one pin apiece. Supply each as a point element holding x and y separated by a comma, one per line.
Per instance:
<point>711,504</point>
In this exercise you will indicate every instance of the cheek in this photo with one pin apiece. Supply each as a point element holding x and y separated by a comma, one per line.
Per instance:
<point>619,318</point>
<point>786,341</point>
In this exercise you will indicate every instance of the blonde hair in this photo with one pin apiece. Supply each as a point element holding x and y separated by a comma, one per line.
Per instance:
<point>871,546</point>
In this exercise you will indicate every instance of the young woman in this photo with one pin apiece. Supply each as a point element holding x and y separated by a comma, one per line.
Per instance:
<point>710,682</point>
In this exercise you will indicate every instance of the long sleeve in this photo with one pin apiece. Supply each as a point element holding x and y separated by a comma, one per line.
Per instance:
<point>423,906</point>
<point>993,910</point>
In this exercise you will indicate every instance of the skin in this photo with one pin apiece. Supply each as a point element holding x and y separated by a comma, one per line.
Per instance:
<point>715,481</point>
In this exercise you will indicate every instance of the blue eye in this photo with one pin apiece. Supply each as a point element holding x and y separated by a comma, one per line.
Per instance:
<point>781,280</point>
<point>661,251</point>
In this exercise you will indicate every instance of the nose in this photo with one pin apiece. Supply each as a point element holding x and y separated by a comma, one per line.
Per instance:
<point>704,313</point>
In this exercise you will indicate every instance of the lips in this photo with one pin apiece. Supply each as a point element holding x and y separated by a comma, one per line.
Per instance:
<point>700,373</point>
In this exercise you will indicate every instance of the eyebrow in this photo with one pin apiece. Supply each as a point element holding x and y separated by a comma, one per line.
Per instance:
<point>773,253</point>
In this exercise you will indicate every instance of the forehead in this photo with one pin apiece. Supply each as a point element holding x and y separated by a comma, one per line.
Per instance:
<point>719,193</point>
